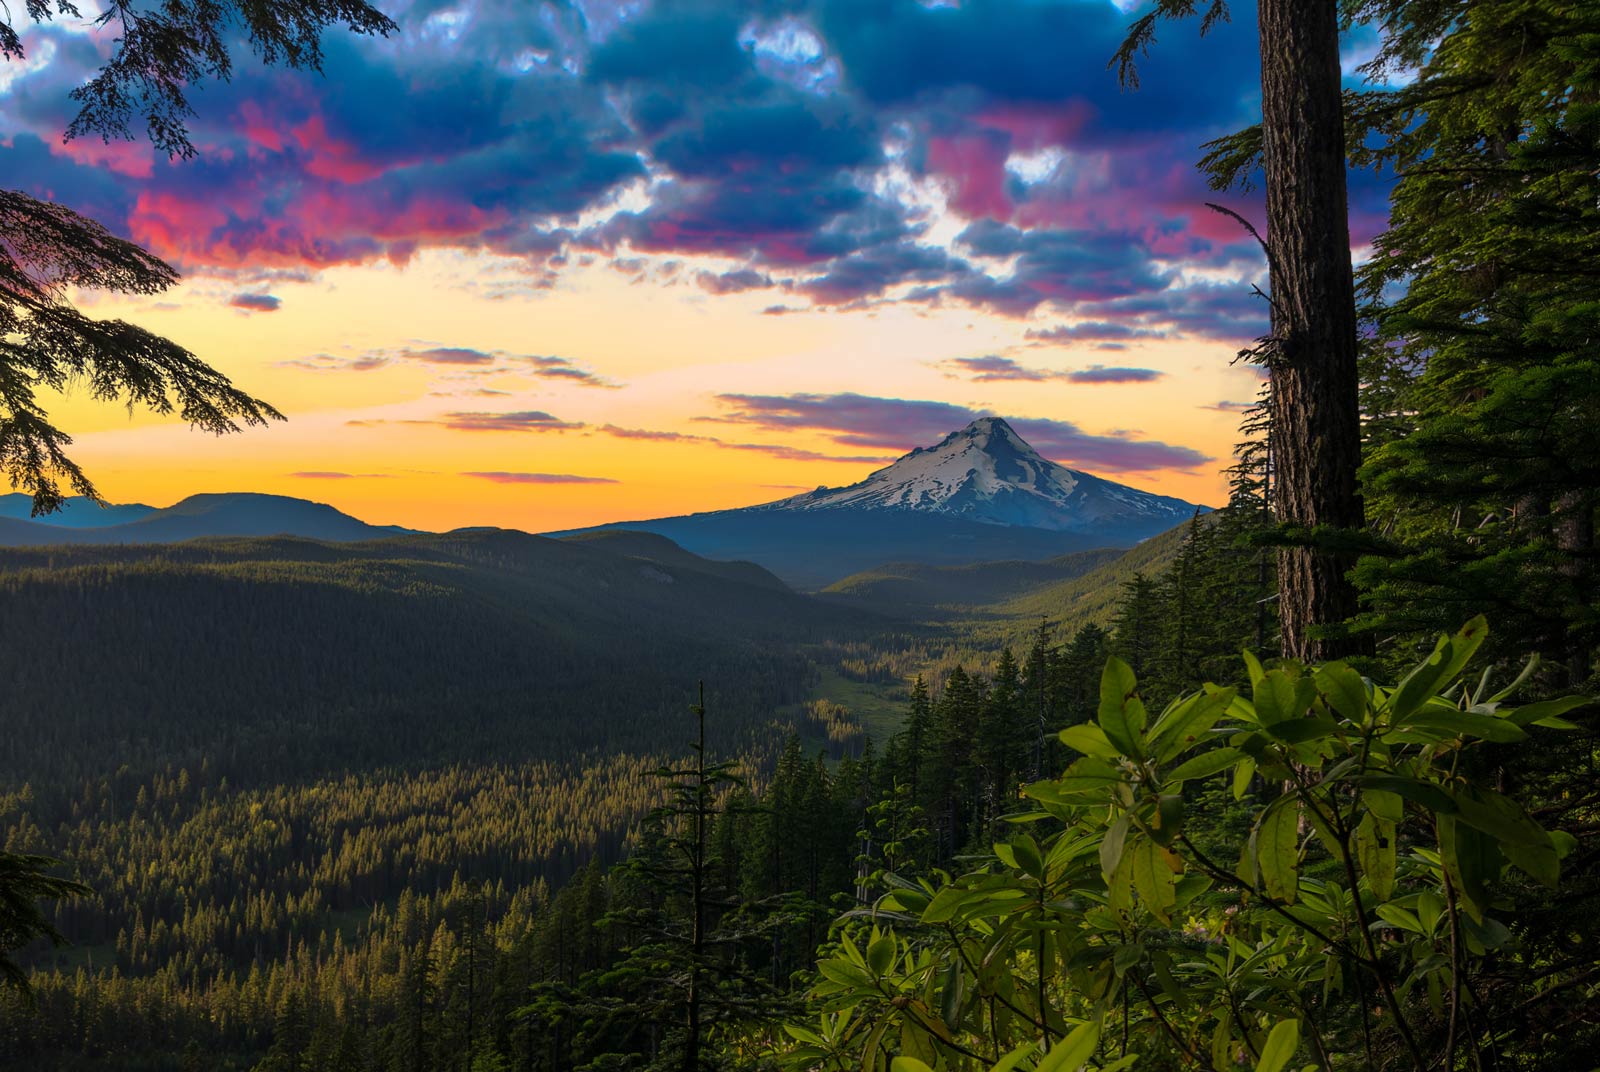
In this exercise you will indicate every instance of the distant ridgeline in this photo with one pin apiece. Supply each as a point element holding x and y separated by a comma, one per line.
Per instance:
<point>80,521</point>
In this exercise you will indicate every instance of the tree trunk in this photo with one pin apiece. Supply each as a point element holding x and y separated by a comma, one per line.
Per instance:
<point>1575,541</point>
<point>1316,432</point>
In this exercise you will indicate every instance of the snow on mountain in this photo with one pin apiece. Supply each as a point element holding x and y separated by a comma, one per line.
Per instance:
<point>989,474</point>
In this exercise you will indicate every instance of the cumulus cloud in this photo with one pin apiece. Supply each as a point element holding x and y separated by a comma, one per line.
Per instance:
<point>822,148</point>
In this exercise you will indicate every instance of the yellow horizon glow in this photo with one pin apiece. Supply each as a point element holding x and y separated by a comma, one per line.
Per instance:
<point>672,348</point>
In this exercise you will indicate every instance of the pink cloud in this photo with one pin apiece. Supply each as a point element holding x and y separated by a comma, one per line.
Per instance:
<point>976,164</point>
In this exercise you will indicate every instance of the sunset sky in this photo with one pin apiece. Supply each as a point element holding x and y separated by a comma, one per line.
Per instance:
<point>549,264</point>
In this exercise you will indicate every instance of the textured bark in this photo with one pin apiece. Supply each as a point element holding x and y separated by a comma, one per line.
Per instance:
<point>1316,433</point>
<point>1575,541</point>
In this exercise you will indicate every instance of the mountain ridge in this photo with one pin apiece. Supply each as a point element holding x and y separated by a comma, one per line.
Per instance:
<point>988,473</point>
<point>981,494</point>
<point>208,514</point>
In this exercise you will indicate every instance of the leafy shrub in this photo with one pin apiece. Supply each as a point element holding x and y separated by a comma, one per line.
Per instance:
<point>1347,926</point>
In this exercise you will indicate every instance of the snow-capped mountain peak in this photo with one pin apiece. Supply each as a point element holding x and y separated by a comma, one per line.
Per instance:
<point>988,473</point>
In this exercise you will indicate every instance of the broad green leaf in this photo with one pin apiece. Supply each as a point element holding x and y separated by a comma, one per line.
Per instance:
<point>1471,860</point>
<point>1463,646</point>
<point>1111,846</point>
<point>1154,879</point>
<point>1169,818</point>
<point>1086,775</point>
<point>1435,674</point>
<point>1375,850</point>
<point>1205,765</point>
<point>1344,691</point>
<point>1523,841</point>
<point>1296,730</point>
<point>1325,834</point>
<point>1222,1041</point>
<point>1119,890</point>
<point>1126,956</point>
<point>1384,804</point>
<point>1073,1051</point>
<point>1278,1050</point>
<point>1396,916</point>
<point>1548,713</point>
<point>1015,1057</point>
<point>872,1054</point>
<point>951,995</point>
<point>1274,697</point>
<point>1253,666</point>
<point>846,974</point>
<point>1467,724</point>
<point>1242,774</point>
<point>1521,679</point>
<point>1430,908</point>
<point>1491,933</point>
<point>1278,849</point>
<point>908,1064</point>
<point>1186,722</point>
<point>1121,713</point>
<point>1006,855</point>
<point>945,904</point>
<point>1026,851</point>
<point>1429,796</point>
<point>880,954</point>
<point>916,1033</point>
<point>1090,740</point>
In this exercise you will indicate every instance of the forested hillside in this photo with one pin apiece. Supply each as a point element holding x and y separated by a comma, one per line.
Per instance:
<point>275,658</point>
<point>283,764</point>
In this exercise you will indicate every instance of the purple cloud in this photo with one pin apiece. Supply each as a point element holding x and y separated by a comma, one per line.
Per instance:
<point>330,363</point>
<point>449,355</point>
<point>320,475</point>
<point>1102,374</point>
<point>993,368</point>
<point>776,450</point>
<point>540,478</point>
<point>256,303</point>
<point>1092,331</point>
<point>518,421</point>
<point>773,136</point>
<point>900,424</point>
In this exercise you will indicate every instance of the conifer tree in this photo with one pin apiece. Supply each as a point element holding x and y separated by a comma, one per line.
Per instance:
<point>1483,377</point>
<point>1311,353</point>
<point>47,251</point>
<point>24,882</point>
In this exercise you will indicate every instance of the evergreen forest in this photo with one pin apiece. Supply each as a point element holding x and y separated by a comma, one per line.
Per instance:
<point>1307,783</point>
